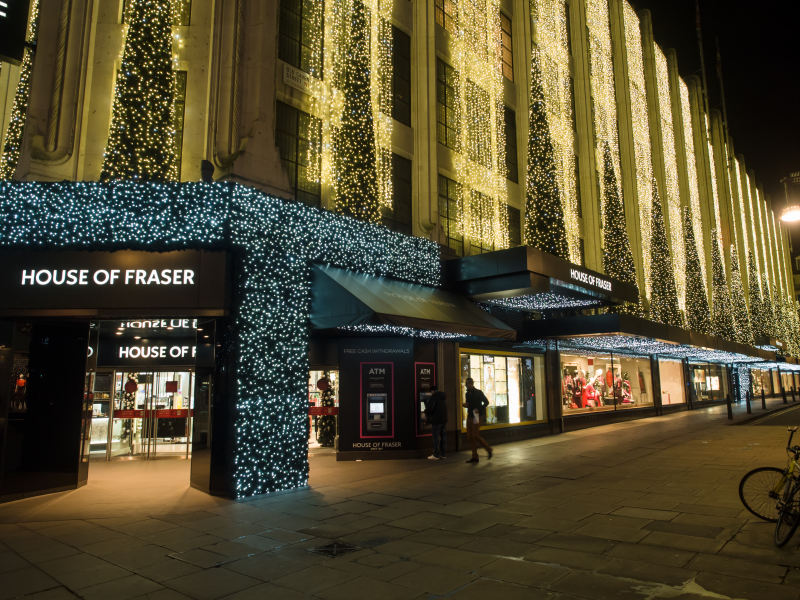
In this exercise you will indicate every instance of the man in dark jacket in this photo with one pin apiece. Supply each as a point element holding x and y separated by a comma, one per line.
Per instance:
<point>436,414</point>
<point>475,403</point>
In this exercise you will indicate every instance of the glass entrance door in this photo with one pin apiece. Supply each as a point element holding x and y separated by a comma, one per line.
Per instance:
<point>151,415</point>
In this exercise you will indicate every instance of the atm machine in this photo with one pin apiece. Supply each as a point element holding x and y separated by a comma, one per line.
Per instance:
<point>377,412</point>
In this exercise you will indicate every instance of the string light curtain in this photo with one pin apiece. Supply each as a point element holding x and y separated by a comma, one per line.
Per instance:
<point>141,142</point>
<point>351,68</point>
<point>714,189</point>
<point>604,96</point>
<point>480,160</point>
<point>640,121</point>
<point>551,122</point>
<point>720,297</point>
<point>694,192</point>
<point>664,300</point>
<point>758,318</point>
<point>741,225</point>
<point>672,191</point>
<point>750,222</point>
<point>19,111</point>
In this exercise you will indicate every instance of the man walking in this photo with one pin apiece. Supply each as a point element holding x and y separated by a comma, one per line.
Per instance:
<point>475,403</point>
<point>436,414</point>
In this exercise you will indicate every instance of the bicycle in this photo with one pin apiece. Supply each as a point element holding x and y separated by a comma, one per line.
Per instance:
<point>765,493</point>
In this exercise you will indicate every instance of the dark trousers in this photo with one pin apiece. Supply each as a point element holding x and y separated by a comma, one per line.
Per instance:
<point>439,437</point>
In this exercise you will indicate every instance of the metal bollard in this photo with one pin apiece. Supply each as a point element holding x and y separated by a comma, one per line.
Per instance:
<point>747,401</point>
<point>793,399</point>
<point>783,393</point>
<point>730,407</point>
<point>763,400</point>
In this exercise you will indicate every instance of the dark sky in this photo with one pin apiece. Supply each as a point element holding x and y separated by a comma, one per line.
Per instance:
<point>760,50</point>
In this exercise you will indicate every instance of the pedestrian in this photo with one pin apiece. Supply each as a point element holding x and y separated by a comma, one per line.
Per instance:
<point>436,415</point>
<point>475,404</point>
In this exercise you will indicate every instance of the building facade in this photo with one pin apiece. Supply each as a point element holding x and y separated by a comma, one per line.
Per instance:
<point>541,159</point>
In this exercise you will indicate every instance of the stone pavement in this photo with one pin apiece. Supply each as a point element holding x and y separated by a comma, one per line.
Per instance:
<point>645,509</point>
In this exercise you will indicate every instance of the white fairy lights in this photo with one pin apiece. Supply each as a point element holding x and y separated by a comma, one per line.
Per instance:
<point>673,197</point>
<point>603,91</point>
<point>691,168</point>
<point>641,133</point>
<point>553,56</point>
<point>546,301</point>
<point>480,160</point>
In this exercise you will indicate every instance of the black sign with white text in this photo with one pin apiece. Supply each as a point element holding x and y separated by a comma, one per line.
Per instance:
<point>127,279</point>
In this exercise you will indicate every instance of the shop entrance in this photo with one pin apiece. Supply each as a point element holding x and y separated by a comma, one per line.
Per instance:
<point>141,415</point>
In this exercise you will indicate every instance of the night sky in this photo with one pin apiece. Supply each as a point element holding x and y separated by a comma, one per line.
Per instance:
<point>760,51</point>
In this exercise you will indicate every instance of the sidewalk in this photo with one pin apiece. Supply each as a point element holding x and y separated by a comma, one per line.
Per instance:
<point>642,509</point>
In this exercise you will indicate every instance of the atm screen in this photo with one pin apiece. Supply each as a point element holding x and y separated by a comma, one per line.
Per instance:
<point>376,407</point>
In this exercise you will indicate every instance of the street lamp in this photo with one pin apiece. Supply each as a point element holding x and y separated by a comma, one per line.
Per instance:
<point>790,214</point>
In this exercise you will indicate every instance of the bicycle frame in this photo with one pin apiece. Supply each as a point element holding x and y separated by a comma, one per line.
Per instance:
<point>791,469</point>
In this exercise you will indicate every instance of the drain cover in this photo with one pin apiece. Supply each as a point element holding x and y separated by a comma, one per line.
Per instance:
<point>334,549</point>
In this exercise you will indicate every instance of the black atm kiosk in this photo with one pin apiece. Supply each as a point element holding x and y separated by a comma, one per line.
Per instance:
<point>377,410</point>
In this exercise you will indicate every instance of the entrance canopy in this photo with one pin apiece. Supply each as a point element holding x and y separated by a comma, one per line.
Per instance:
<point>341,298</point>
<point>525,278</point>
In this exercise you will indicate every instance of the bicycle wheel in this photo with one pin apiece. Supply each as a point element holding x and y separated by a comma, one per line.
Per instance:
<point>788,520</point>
<point>755,489</point>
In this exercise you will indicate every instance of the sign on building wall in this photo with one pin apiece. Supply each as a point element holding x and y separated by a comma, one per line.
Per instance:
<point>299,80</point>
<point>13,30</point>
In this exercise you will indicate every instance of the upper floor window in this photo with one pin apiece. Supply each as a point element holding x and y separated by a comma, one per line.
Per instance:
<point>295,134</point>
<point>299,20</point>
<point>398,217</point>
<point>512,168</point>
<point>446,14</point>
<point>446,115</point>
<point>508,53</point>
<point>514,226</point>
<point>448,215</point>
<point>401,77</point>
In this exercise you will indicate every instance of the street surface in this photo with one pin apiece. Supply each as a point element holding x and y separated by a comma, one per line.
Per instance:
<point>645,509</point>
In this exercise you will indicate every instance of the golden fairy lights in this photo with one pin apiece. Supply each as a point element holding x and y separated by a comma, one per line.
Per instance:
<point>749,192</point>
<point>331,53</point>
<point>603,91</point>
<point>740,197</point>
<point>641,133</point>
<point>714,190</point>
<point>691,168</point>
<point>480,161</point>
<point>553,56</point>
<point>673,198</point>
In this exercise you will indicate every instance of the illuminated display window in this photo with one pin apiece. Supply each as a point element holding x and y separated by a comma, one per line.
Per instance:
<point>709,382</point>
<point>512,383</point>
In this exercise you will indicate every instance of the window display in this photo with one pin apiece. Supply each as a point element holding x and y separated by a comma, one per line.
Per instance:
<point>672,388</point>
<point>513,384</point>
<point>604,381</point>
<point>323,388</point>
<point>709,382</point>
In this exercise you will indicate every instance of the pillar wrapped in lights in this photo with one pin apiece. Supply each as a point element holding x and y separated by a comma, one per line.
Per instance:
<point>720,297</point>
<point>275,241</point>
<point>741,319</point>
<point>664,298</point>
<point>141,141</point>
<point>617,255</point>
<point>698,315</point>
<point>19,111</point>
<point>758,319</point>
<point>545,227</point>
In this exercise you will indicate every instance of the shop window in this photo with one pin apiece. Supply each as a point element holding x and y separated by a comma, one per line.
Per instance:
<point>512,169</point>
<point>514,226</point>
<point>446,112</point>
<point>183,11</point>
<point>672,388</point>
<point>513,385</point>
<point>178,117</point>
<point>797,263</point>
<point>508,54</point>
<point>448,215</point>
<point>761,382</point>
<point>398,217</point>
<point>299,20</point>
<point>446,13</point>
<point>709,382</point>
<point>596,382</point>
<point>401,76</point>
<point>478,123</point>
<point>294,133</point>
